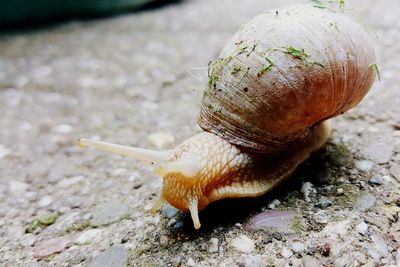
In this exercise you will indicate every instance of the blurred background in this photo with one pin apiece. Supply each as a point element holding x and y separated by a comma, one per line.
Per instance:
<point>17,13</point>
<point>133,72</point>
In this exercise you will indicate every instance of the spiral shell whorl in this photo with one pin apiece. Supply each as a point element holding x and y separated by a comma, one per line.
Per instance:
<point>282,73</point>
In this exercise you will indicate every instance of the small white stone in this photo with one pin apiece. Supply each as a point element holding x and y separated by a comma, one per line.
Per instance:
<point>362,228</point>
<point>45,201</point>
<point>62,129</point>
<point>364,165</point>
<point>4,152</point>
<point>89,236</point>
<point>160,139</point>
<point>190,262</point>
<point>243,243</point>
<point>67,182</point>
<point>340,191</point>
<point>274,204</point>
<point>286,253</point>
<point>252,261</point>
<point>213,248</point>
<point>298,247</point>
<point>307,188</point>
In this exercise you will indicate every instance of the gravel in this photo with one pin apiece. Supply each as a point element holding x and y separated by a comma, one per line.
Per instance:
<point>365,202</point>
<point>213,245</point>
<point>362,228</point>
<point>116,256</point>
<point>298,247</point>
<point>376,180</point>
<point>243,243</point>
<point>107,213</point>
<point>126,79</point>
<point>364,165</point>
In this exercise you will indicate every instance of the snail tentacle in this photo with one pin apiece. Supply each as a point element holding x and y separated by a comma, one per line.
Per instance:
<point>194,213</point>
<point>148,155</point>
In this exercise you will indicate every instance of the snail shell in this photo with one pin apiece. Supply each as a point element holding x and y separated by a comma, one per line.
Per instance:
<point>282,73</point>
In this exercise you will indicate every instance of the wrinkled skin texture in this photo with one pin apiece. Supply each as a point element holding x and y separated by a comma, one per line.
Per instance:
<point>283,72</point>
<point>228,172</point>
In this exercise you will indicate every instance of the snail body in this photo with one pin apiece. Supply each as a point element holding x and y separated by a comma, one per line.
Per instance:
<point>266,107</point>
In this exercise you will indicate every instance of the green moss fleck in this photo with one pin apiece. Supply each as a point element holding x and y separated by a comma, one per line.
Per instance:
<point>78,227</point>
<point>375,67</point>
<point>317,63</point>
<point>41,222</point>
<point>241,50</point>
<point>297,53</point>
<point>253,48</point>
<point>266,67</point>
<point>236,69</point>
<point>318,4</point>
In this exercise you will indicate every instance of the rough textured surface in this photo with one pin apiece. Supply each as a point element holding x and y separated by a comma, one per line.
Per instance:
<point>124,78</point>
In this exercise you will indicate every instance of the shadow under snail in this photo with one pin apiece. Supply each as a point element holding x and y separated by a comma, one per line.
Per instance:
<point>266,107</point>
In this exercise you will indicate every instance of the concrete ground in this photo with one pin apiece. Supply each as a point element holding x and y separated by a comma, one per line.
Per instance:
<point>138,79</point>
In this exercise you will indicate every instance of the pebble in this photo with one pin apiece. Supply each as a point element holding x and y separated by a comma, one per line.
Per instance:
<point>334,229</point>
<point>274,204</point>
<point>116,256</point>
<point>4,152</point>
<point>298,247</point>
<point>213,245</point>
<point>340,191</point>
<point>89,236</point>
<point>107,213</point>
<point>160,139</point>
<point>276,219</point>
<point>307,188</point>
<point>45,201</point>
<point>170,211</point>
<point>375,180</point>
<point>67,182</point>
<point>17,187</point>
<point>178,225</point>
<point>191,263</point>
<point>362,228</point>
<point>51,246</point>
<point>364,165</point>
<point>378,249</point>
<point>243,243</point>
<point>324,202</point>
<point>365,202</point>
<point>62,129</point>
<point>286,253</point>
<point>252,261</point>
<point>308,261</point>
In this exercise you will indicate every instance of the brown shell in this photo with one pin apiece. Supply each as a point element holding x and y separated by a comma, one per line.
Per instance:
<point>283,72</point>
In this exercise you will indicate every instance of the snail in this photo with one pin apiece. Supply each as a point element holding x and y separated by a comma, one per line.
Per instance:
<point>266,108</point>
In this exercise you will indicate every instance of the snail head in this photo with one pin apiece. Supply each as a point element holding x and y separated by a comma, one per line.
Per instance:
<point>190,172</point>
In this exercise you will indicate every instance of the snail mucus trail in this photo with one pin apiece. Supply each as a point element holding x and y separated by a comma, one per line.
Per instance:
<point>266,107</point>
